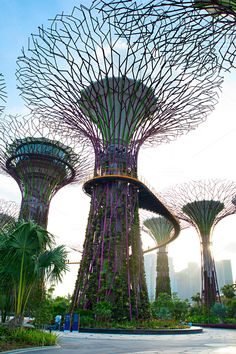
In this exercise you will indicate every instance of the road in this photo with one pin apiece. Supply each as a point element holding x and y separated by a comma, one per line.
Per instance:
<point>215,341</point>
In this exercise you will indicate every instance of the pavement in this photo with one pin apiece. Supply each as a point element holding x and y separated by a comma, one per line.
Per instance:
<point>215,341</point>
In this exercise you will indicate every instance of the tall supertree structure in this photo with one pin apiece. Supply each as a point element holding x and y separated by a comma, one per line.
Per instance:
<point>40,161</point>
<point>2,93</point>
<point>210,24</point>
<point>9,212</point>
<point>120,96</point>
<point>160,229</point>
<point>202,204</point>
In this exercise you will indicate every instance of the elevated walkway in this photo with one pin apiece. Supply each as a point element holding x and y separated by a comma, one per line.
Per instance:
<point>148,200</point>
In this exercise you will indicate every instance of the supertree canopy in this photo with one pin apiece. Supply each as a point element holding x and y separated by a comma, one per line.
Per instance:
<point>2,93</point>
<point>203,204</point>
<point>160,229</point>
<point>40,161</point>
<point>118,94</point>
<point>210,24</point>
<point>9,212</point>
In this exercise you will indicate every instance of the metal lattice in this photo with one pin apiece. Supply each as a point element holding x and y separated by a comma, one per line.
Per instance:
<point>9,212</point>
<point>80,54</point>
<point>197,26</point>
<point>3,95</point>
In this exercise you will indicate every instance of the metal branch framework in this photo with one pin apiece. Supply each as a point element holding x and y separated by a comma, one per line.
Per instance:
<point>202,204</point>
<point>41,161</point>
<point>120,96</point>
<point>160,229</point>
<point>210,24</point>
<point>9,212</point>
<point>3,95</point>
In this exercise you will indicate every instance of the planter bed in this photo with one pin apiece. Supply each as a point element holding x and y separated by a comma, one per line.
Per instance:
<point>140,331</point>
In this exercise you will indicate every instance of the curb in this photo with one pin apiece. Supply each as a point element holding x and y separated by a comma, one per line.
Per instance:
<point>217,325</point>
<point>28,350</point>
<point>141,331</point>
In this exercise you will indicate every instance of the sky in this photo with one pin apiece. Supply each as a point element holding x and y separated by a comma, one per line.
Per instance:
<point>207,152</point>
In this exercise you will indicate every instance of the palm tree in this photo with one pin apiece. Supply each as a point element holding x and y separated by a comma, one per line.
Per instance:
<point>27,255</point>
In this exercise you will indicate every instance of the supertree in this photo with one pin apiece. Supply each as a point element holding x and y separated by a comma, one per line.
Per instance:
<point>9,212</point>
<point>41,161</point>
<point>120,96</point>
<point>160,229</point>
<point>209,23</point>
<point>202,204</point>
<point>2,92</point>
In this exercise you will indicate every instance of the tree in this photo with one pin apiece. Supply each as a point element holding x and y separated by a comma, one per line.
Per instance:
<point>229,291</point>
<point>219,310</point>
<point>197,299</point>
<point>26,255</point>
<point>170,307</point>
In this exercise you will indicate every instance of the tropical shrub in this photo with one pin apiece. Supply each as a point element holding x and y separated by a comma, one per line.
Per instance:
<point>27,255</point>
<point>21,337</point>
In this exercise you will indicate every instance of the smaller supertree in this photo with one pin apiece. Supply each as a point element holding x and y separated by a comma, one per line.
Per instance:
<point>202,204</point>
<point>160,230</point>
<point>9,212</point>
<point>2,93</point>
<point>41,162</point>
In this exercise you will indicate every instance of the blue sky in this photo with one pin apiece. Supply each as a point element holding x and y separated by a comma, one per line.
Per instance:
<point>18,19</point>
<point>207,152</point>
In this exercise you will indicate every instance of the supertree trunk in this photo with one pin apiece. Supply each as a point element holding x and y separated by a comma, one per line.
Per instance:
<point>204,214</point>
<point>163,277</point>
<point>41,178</point>
<point>210,289</point>
<point>112,264</point>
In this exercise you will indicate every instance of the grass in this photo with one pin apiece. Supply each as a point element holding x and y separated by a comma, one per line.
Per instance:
<point>11,339</point>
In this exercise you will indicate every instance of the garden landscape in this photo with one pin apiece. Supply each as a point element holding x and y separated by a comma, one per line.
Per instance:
<point>95,88</point>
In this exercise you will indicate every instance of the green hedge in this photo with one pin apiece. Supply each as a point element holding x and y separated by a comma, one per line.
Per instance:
<point>24,337</point>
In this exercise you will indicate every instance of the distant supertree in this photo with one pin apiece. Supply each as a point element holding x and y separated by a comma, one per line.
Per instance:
<point>40,161</point>
<point>160,229</point>
<point>120,96</point>
<point>203,204</point>
<point>2,93</point>
<point>210,24</point>
<point>9,212</point>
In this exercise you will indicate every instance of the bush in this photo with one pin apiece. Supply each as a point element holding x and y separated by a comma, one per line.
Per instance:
<point>33,337</point>
<point>203,319</point>
<point>22,337</point>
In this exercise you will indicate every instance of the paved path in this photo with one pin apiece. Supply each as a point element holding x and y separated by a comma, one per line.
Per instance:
<point>215,341</point>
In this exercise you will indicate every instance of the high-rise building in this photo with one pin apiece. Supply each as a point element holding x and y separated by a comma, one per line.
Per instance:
<point>173,281</point>
<point>151,273</point>
<point>187,281</point>
<point>224,272</point>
